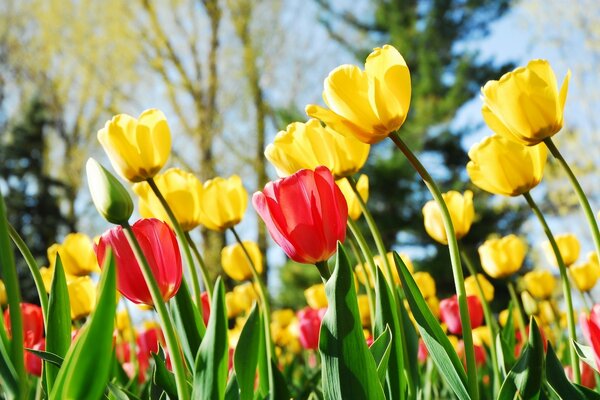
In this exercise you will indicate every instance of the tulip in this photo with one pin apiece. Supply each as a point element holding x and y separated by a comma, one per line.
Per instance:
<point>568,246</point>
<point>482,335</point>
<point>360,274</point>
<point>148,342</point>
<point>434,305</point>
<point>33,363</point>
<point>585,275</point>
<point>246,294</point>
<point>502,257</point>
<point>223,203</point>
<point>161,250</point>
<point>33,322</point>
<point>182,191</point>
<point>486,286</point>
<point>422,352</point>
<point>588,376</point>
<point>137,148</point>
<point>309,324</point>
<point>364,310</point>
<point>235,306</point>
<point>236,265</point>
<point>368,104</point>
<point>525,105</point>
<point>76,253</point>
<point>590,326</point>
<point>305,214</point>
<point>540,283</point>
<point>315,296</point>
<point>205,307</point>
<point>110,197</point>
<point>480,356</point>
<point>362,185</point>
<point>504,167</point>
<point>529,304</point>
<point>82,296</point>
<point>461,212</point>
<point>123,324</point>
<point>451,317</point>
<point>309,145</point>
<point>3,298</point>
<point>425,283</point>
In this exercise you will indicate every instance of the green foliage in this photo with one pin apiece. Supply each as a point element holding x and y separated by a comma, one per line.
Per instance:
<point>246,354</point>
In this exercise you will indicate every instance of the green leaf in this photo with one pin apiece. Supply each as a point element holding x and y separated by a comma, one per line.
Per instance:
<point>411,361</point>
<point>348,368</point>
<point>586,354</point>
<point>440,349</point>
<point>505,342</point>
<point>380,349</point>
<point>51,358</point>
<point>525,379</point>
<point>387,315</point>
<point>245,358</point>
<point>556,378</point>
<point>162,377</point>
<point>280,391</point>
<point>210,375</point>
<point>8,375</point>
<point>90,355</point>
<point>189,322</point>
<point>117,393</point>
<point>58,329</point>
<point>588,393</point>
<point>232,391</point>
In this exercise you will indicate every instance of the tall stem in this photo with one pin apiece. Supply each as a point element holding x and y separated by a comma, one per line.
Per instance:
<point>165,318</point>
<point>489,320</point>
<point>566,285</point>
<point>517,304</point>
<point>182,240</point>
<point>368,287</point>
<point>364,247</point>
<point>459,280</point>
<point>262,293</point>
<point>583,201</point>
<point>203,269</point>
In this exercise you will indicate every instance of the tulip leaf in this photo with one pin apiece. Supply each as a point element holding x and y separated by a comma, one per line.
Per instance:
<point>412,342</point>
<point>8,375</point>
<point>348,368</point>
<point>58,329</point>
<point>526,376</point>
<point>505,341</point>
<point>386,316</point>
<point>51,358</point>
<point>188,321</point>
<point>232,391</point>
<point>210,374</point>
<point>586,354</point>
<point>440,349</point>
<point>89,355</point>
<point>246,354</point>
<point>162,377</point>
<point>118,393</point>
<point>380,349</point>
<point>557,380</point>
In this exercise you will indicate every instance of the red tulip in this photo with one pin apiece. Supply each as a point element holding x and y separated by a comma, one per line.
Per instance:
<point>450,313</point>
<point>305,214</point>
<point>33,322</point>
<point>590,325</point>
<point>148,342</point>
<point>309,324</point>
<point>480,355</point>
<point>160,248</point>
<point>588,378</point>
<point>205,307</point>
<point>33,363</point>
<point>422,352</point>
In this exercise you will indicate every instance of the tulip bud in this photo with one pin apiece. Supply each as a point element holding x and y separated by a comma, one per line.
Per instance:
<point>315,296</point>
<point>109,196</point>
<point>540,283</point>
<point>2,293</point>
<point>529,303</point>
<point>486,287</point>
<point>568,247</point>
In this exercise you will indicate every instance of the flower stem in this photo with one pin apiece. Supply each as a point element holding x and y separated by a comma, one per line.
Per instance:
<point>566,286</point>
<point>323,270</point>
<point>489,321</point>
<point>517,304</point>
<point>368,287</point>
<point>364,247</point>
<point>459,280</point>
<point>183,241</point>
<point>203,269</point>
<point>165,318</point>
<point>583,201</point>
<point>262,293</point>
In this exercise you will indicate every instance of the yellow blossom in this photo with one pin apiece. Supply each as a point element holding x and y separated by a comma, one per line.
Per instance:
<point>82,296</point>
<point>223,203</point>
<point>425,283</point>
<point>315,296</point>
<point>486,287</point>
<point>76,253</point>
<point>362,185</point>
<point>502,257</point>
<point>568,246</point>
<point>461,211</point>
<point>236,264</point>
<point>540,283</point>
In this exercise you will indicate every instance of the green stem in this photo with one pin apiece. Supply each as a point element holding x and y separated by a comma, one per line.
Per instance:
<point>566,286</point>
<point>489,321</point>
<point>182,240</point>
<point>517,304</point>
<point>262,293</point>
<point>33,268</point>
<point>583,201</point>
<point>323,270</point>
<point>364,247</point>
<point>165,318</point>
<point>459,281</point>
<point>131,343</point>
<point>368,287</point>
<point>203,269</point>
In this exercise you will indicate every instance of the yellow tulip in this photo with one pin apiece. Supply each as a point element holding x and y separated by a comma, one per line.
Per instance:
<point>223,203</point>
<point>503,318</point>
<point>390,256</point>
<point>362,185</point>
<point>585,275</point>
<point>282,318</point>
<point>181,190</point>
<point>486,287</point>
<point>47,275</point>
<point>502,257</point>
<point>525,105</point>
<point>540,283</point>
<point>426,284</point>
<point>434,305</point>
<point>482,335</point>
<point>236,265</point>
<point>529,304</point>
<point>76,253</point>
<point>246,295</point>
<point>546,312</point>
<point>123,325</point>
<point>368,104</point>
<point>235,305</point>
<point>82,295</point>
<point>364,310</point>
<point>137,148</point>
<point>3,298</point>
<point>568,246</point>
<point>500,166</point>
<point>315,296</point>
<point>461,212</point>
<point>309,145</point>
